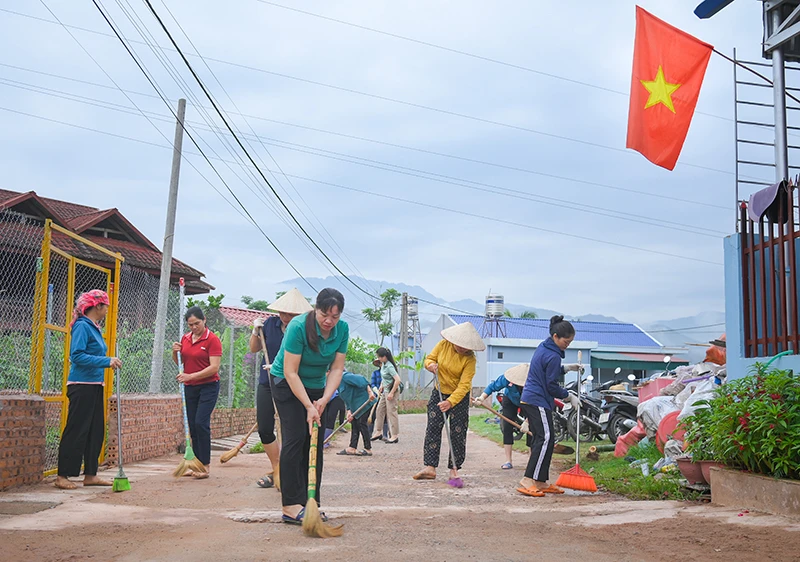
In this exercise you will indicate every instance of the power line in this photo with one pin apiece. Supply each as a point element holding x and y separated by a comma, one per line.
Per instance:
<point>413,172</point>
<point>407,103</point>
<point>244,149</point>
<point>410,148</point>
<point>465,53</point>
<point>390,197</point>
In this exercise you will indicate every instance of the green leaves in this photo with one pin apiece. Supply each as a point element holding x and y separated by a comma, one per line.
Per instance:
<point>752,423</point>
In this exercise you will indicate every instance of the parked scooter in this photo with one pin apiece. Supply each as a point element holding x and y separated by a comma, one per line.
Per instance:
<point>591,410</point>
<point>559,421</point>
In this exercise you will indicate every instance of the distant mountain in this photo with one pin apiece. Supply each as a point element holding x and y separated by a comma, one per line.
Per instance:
<point>672,333</point>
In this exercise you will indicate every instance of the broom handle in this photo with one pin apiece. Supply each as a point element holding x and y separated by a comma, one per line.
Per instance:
<point>578,416</point>
<point>312,463</point>
<point>182,294</point>
<point>446,422</point>
<point>119,414</point>
<point>249,433</point>
<point>354,414</point>
<point>502,417</point>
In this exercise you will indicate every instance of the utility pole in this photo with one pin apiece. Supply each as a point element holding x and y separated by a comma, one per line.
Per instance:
<point>403,344</point>
<point>166,256</point>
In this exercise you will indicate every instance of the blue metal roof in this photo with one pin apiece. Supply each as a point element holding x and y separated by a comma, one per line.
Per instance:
<point>605,333</point>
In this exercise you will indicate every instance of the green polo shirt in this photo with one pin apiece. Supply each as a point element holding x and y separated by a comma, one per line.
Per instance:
<point>313,364</point>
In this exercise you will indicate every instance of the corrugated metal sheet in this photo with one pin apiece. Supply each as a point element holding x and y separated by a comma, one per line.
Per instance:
<point>605,333</point>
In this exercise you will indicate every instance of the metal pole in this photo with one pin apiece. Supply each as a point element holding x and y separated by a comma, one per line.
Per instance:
<point>779,96</point>
<point>47,336</point>
<point>166,257</point>
<point>231,374</point>
<point>404,333</point>
<point>736,143</point>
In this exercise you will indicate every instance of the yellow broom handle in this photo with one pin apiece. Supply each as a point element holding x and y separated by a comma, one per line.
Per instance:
<point>312,463</point>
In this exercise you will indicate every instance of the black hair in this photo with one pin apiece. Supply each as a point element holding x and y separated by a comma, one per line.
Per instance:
<point>326,300</point>
<point>195,311</point>
<point>383,352</point>
<point>561,328</point>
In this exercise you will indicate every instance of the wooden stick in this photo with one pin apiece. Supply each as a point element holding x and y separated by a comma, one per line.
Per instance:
<point>225,457</point>
<point>558,448</point>
<point>354,414</point>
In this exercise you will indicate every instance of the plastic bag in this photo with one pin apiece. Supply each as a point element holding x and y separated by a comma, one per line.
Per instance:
<point>653,411</point>
<point>673,448</point>
<point>704,391</point>
<point>631,438</point>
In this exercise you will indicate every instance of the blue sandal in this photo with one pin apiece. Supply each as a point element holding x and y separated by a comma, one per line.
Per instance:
<point>299,519</point>
<point>507,466</point>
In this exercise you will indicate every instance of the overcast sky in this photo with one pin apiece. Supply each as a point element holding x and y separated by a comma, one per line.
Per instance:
<point>554,255</point>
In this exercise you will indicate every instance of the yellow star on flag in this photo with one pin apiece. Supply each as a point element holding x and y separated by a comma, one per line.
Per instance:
<point>660,91</point>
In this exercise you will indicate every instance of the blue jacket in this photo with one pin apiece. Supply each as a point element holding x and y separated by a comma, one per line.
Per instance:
<point>87,352</point>
<point>353,390</point>
<point>510,391</point>
<point>542,387</point>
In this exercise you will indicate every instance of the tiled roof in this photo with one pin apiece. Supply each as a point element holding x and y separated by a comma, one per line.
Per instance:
<point>243,316</point>
<point>605,333</point>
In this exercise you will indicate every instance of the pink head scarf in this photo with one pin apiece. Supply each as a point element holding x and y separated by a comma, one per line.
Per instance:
<point>87,300</point>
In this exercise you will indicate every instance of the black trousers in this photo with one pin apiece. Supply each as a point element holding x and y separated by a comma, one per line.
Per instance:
<point>82,440</point>
<point>335,409</point>
<point>265,413</point>
<point>541,424</point>
<point>459,422</point>
<point>200,402</point>
<point>296,442</point>
<point>509,410</point>
<point>359,426</point>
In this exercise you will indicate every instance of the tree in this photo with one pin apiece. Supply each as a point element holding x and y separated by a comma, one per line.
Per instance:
<point>359,351</point>
<point>508,314</point>
<point>528,314</point>
<point>214,319</point>
<point>381,316</point>
<point>251,304</point>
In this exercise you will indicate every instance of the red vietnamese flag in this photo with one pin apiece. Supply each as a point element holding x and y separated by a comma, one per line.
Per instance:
<point>668,70</point>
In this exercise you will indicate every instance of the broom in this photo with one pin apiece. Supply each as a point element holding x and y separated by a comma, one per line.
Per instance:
<point>225,457</point>
<point>121,482</point>
<point>313,526</point>
<point>354,414</point>
<point>189,462</point>
<point>456,482</point>
<point>558,448</point>
<point>576,478</point>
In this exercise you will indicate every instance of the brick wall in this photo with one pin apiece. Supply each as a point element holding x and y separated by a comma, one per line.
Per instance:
<point>152,426</point>
<point>225,422</point>
<point>22,440</point>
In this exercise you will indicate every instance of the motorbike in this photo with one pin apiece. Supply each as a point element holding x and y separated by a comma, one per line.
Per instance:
<point>619,413</point>
<point>591,412</point>
<point>560,424</point>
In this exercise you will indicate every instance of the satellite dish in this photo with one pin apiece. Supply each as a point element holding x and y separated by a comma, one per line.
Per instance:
<point>631,377</point>
<point>618,370</point>
<point>590,378</point>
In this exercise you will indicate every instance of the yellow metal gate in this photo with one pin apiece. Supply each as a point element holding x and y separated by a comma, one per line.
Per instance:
<point>60,278</point>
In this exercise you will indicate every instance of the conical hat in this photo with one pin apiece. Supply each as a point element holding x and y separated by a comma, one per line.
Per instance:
<point>518,375</point>
<point>291,302</point>
<point>464,335</point>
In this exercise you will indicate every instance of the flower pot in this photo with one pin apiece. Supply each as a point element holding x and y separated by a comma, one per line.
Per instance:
<point>705,466</point>
<point>691,470</point>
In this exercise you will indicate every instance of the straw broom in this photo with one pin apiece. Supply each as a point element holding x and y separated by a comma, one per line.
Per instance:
<point>576,478</point>
<point>313,526</point>
<point>225,457</point>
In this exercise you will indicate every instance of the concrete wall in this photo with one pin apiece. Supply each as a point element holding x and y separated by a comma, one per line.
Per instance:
<point>740,490</point>
<point>22,439</point>
<point>738,366</point>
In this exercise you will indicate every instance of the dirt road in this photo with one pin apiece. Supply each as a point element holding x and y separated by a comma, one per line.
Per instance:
<point>387,517</point>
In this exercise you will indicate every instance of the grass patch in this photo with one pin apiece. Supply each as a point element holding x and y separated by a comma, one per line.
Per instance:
<point>257,448</point>
<point>412,411</point>
<point>611,473</point>
<point>616,476</point>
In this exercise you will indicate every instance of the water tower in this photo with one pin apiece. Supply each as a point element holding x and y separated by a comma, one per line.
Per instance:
<point>494,321</point>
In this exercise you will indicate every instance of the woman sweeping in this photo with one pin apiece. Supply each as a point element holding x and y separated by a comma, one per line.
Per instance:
<point>355,391</point>
<point>510,384</point>
<point>541,388</point>
<point>201,354</point>
<point>82,440</point>
<point>314,343</point>
<point>452,360</point>
<point>288,306</point>
<point>390,391</point>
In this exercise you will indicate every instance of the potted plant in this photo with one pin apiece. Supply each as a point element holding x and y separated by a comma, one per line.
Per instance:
<point>699,447</point>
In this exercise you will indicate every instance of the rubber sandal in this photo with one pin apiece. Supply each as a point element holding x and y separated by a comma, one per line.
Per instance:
<point>533,492</point>
<point>70,485</point>
<point>365,453</point>
<point>507,466</point>
<point>422,475</point>
<point>344,453</point>
<point>551,489</point>
<point>294,520</point>
<point>267,481</point>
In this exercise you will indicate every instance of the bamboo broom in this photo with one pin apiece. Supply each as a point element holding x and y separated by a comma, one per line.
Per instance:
<point>225,457</point>
<point>313,525</point>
